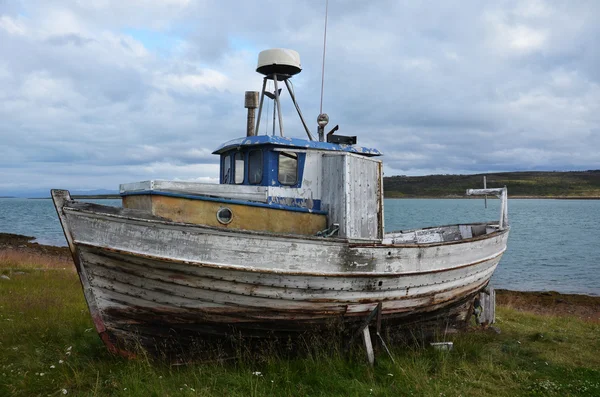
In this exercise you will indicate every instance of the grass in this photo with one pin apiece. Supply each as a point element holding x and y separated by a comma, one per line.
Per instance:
<point>528,183</point>
<point>48,347</point>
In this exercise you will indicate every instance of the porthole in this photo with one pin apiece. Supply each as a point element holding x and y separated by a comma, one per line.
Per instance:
<point>224,215</point>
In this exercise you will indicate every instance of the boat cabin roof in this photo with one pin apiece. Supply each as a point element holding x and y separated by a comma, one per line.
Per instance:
<point>297,143</point>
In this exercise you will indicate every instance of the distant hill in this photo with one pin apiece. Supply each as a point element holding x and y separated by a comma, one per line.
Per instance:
<point>45,193</point>
<point>527,183</point>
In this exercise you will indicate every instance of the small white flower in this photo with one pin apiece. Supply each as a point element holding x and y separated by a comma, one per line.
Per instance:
<point>160,377</point>
<point>52,366</point>
<point>390,374</point>
<point>88,330</point>
<point>192,389</point>
<point>257,373</point>
<point>124,388</point>
<point>64,391</point>
<point>41,374</point>
<point>60,361</point>
<point>68,353</point>
<point>69,348</point>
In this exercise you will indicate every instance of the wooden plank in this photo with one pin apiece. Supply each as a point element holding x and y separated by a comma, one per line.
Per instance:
<point>239,192</point>
<point>252,251</point>
<point>465,231</point>
<point>271,288</point>
<point>368,345</point>
<point>138,202</point>
<point>245,217</point>
<point>351,193</point>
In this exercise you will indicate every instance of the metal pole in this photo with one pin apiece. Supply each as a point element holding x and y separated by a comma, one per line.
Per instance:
<point>274,111</point>
<point>287,84</point>
<point>250,103</point>
<point>324,47</point>
<point>262,98</point>
<point>278,104</point>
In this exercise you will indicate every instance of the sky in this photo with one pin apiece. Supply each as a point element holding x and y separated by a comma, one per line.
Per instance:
<point>94,93</point>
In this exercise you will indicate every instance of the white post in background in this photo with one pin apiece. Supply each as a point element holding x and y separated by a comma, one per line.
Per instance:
<point>502,194</point>
<point>485,187</point>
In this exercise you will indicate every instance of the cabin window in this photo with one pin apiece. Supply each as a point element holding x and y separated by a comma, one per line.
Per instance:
<point>255,167</point>
<point>238,165</point>
<point>288,168</point>
<point>226,169</point>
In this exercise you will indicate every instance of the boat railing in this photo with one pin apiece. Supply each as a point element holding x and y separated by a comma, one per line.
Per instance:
<point>502,194</point>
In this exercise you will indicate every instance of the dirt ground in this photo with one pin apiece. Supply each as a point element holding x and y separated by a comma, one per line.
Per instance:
<point>25,244</point>
<point>21,250</point>
<point>17,248</point>
<point>552,303</point>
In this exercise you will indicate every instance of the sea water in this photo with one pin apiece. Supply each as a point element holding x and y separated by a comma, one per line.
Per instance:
<point>553,244</point>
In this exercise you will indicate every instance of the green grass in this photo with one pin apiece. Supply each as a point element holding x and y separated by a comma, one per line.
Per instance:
<point>45,329</point>
<point>536,184</point>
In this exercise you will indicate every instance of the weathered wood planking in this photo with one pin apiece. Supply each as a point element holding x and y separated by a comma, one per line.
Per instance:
<point>161,278</point>
<point>255,251</point>
<point>275,287</point>
<point>352,189</point>
<point>245,217</point>
<point>120,285</point>
<point>239,192</point>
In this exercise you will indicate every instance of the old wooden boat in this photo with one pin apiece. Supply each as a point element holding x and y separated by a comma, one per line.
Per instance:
<point>290,239</point>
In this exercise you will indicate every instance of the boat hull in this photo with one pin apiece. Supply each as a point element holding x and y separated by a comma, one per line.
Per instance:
<point>147,280</point>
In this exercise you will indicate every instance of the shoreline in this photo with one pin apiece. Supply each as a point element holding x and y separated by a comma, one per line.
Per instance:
<point>16,250</point>
<point>448,197</point>
<point>494,197</point>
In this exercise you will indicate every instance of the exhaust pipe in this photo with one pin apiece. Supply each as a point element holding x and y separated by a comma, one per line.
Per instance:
<point>250,103</point>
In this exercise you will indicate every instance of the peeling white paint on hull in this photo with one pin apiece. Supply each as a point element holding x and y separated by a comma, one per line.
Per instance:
<point>147,277</point>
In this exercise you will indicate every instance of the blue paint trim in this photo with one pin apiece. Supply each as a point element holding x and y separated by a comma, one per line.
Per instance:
<point>294,143</point>
<point>225,201</point>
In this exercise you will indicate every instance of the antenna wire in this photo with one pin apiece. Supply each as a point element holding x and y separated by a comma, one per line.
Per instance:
<point>324,47</point>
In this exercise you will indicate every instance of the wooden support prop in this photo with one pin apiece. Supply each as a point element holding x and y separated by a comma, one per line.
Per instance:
<point>368,345</point>
<point>362,326</point>
<point>366,334</point>
<point>379,333</point>
<point>378,318</point>
<point>485,307</point>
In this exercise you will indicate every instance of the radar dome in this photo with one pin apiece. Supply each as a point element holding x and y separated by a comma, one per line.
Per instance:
<point>279,61</point>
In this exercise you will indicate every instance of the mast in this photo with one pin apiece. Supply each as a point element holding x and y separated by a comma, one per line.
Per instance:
<point>279,65</point>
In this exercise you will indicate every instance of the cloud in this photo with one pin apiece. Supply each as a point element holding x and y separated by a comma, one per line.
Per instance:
<point>101,92</point>
<point>12,26</point>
